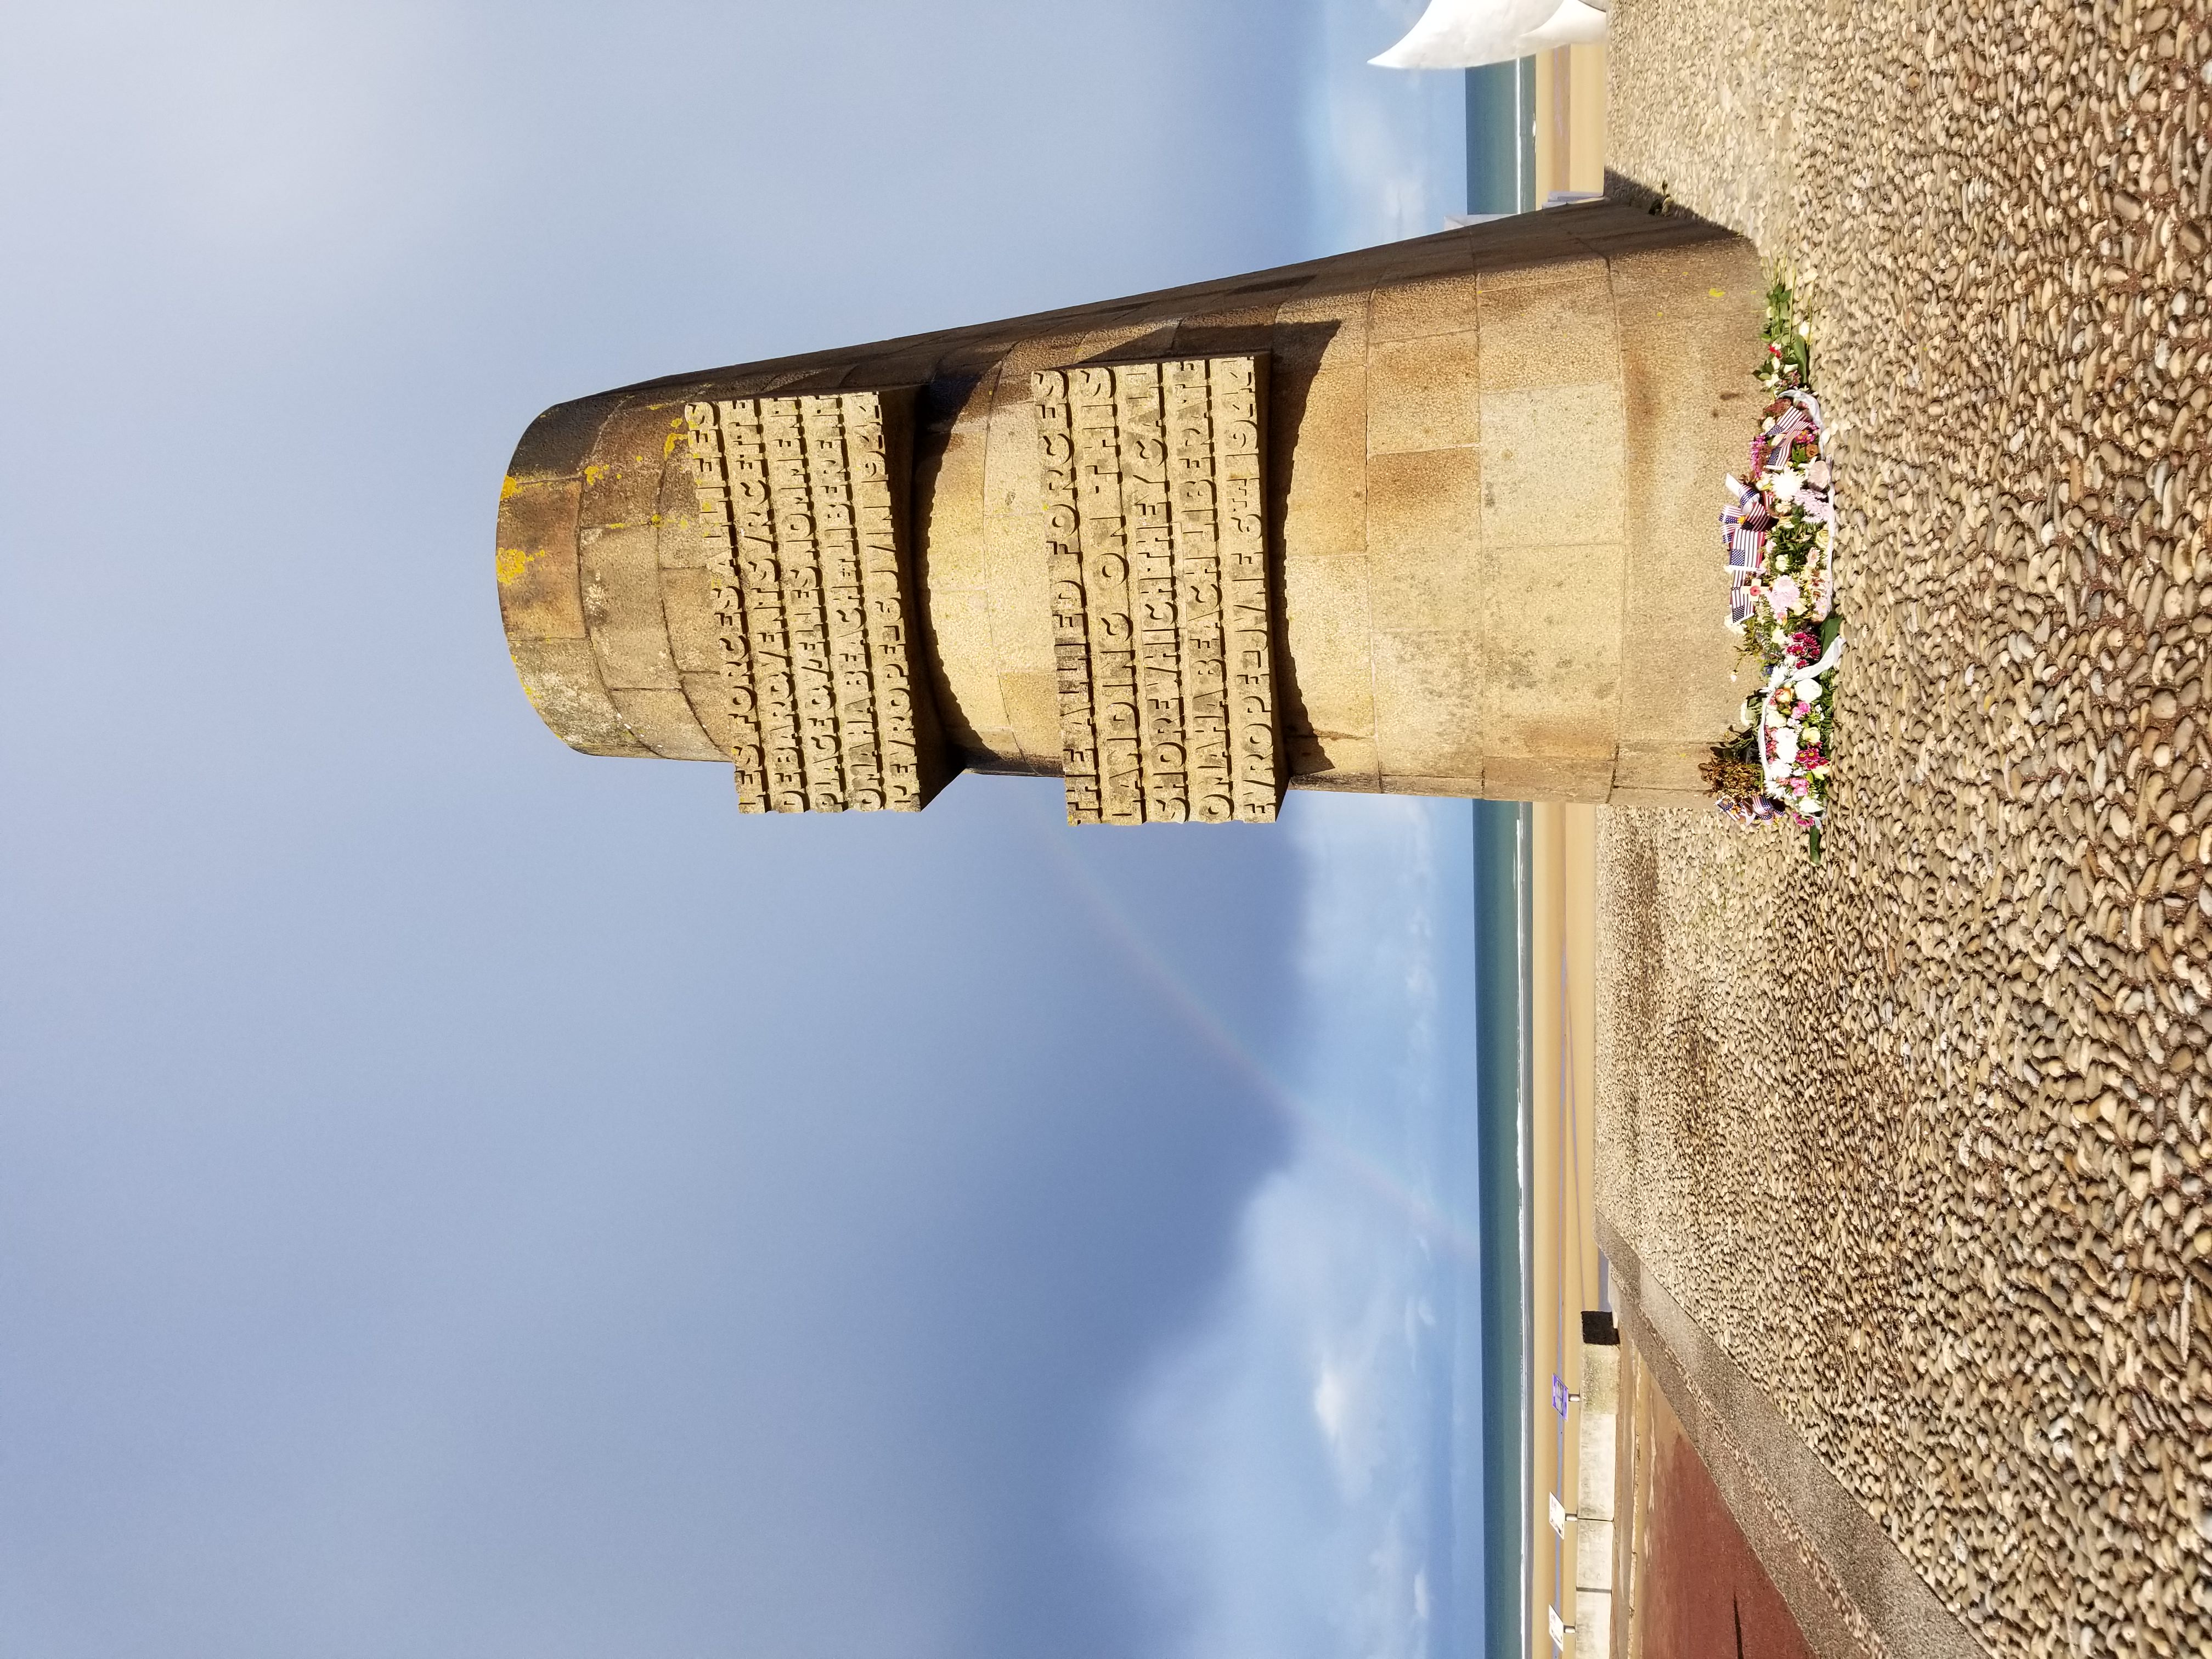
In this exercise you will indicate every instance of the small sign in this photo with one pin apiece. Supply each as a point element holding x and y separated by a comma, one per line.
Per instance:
<point>1558,1394</point>
<point>1559,1631</point>
<point>1558,1517</point>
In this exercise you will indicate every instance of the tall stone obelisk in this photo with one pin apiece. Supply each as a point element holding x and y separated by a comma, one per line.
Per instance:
<point>1434,518</point>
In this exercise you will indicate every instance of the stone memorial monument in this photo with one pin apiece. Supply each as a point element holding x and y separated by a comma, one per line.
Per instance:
<point>1434,518</point>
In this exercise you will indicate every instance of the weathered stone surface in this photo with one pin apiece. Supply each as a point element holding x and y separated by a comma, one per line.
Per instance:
<point>1487,476</point>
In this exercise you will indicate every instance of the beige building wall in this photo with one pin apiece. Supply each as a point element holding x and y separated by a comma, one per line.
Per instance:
<point>1563,1277</point>
<point>1571,121</point>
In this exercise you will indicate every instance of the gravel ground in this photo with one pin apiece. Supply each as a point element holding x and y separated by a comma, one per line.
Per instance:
<point>1919,1135</point>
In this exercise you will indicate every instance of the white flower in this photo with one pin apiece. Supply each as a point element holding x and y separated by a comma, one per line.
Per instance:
<point>1785,745</point>
<point>1787,596</point>
<point>1785,483</point>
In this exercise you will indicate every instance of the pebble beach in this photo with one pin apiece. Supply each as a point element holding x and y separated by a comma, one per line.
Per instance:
<point>1919,1134</point>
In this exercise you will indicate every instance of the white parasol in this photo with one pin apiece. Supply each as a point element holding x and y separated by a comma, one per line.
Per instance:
<point>1464,34</point>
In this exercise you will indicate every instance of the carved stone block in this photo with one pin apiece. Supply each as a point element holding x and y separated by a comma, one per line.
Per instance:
<point>1162,608</point>
<point>1480,467</point>
<point>799,500</point>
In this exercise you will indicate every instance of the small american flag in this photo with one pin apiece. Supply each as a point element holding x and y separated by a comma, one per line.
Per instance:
<point>1744,523</point>
<point>1799,418</point>
<point>1792,418</point>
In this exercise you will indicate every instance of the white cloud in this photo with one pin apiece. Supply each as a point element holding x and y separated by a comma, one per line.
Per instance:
<point>1385,148</point>
<point>1274,1486</point>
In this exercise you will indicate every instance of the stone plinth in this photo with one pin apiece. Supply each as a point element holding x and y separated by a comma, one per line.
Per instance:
<point>1487,467</point>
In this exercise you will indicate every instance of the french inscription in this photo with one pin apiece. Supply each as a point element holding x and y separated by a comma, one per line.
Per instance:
<point>1155,536</point>
<point>1070,612</point>
<point>795,501</point>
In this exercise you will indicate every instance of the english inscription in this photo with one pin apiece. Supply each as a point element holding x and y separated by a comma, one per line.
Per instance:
<point>795,501</point>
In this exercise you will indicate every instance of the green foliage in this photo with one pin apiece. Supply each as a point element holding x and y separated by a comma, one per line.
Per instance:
<point>1789,351</point>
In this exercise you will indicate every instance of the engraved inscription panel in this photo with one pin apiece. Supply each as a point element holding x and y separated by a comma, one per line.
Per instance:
<point>1163,616</point>
<point>810,600</point>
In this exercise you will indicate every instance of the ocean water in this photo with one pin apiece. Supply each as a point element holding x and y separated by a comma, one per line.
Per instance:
<point>1472,1357</point>
<point>1489,1457</point>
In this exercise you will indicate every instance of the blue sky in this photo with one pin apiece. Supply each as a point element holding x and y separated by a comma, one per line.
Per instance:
<point>1276,1487</point>
<point>459,1198</point>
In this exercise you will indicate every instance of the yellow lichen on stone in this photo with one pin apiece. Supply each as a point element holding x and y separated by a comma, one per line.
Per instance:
<point>514,561</point>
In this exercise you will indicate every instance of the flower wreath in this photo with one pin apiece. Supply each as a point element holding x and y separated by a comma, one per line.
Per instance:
<point>1779,532</point>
